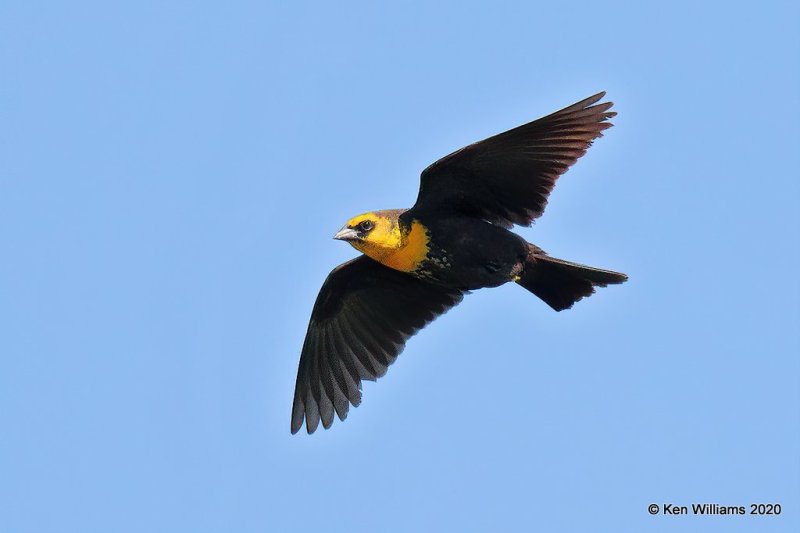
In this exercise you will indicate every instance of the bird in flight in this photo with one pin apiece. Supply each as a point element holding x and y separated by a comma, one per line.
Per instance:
<point>418,263</point>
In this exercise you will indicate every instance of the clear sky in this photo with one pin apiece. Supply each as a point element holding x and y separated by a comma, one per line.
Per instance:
<point>171,175</point>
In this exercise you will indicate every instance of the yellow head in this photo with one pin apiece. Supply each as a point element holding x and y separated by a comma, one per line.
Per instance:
<point>381,236</point>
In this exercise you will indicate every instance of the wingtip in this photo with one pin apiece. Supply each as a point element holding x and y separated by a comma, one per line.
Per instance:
<point>587,104</point>
<point>298,415</point>
<point>594,99</point>
<point>296,425</point>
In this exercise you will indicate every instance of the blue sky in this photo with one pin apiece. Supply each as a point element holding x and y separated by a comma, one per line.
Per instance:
<point>171,178</point>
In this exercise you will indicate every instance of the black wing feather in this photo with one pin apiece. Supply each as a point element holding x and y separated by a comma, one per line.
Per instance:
<point>507,179</point>
<point>363,316</point>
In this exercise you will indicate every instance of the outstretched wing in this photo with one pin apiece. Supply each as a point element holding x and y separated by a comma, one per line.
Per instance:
<point>506,179</point>
<point>363,316</point>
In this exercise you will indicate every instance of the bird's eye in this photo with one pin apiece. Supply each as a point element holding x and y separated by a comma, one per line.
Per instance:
<point>366,225</point>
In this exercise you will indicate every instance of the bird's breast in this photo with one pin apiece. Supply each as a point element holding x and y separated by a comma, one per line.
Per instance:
<point>403,251</point>
<point>411,253</point>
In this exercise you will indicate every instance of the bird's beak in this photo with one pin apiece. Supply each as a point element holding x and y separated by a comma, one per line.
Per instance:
<point>346,234</point>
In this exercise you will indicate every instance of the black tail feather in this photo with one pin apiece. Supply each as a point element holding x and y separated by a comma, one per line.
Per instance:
<point>561,283</point>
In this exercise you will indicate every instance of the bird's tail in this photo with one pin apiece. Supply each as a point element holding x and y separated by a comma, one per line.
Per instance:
<point>561,283</point>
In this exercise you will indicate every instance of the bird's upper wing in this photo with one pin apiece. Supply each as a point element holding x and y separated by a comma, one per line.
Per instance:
<point>361,320</point>
<point>506,179</point>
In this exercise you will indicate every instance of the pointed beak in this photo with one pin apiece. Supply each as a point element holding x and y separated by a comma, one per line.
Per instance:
<point>346,234</point>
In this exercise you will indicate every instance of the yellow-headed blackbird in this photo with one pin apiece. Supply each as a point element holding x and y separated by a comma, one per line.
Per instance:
<point>417,263</point>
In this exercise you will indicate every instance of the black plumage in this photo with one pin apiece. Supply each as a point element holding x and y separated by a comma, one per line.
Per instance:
<point>363,316</point>
<point>507,179</point>
<point>420,262</point>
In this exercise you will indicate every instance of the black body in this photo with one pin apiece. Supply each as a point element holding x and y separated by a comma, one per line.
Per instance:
<point>365,311</point>
<point>468,253</point>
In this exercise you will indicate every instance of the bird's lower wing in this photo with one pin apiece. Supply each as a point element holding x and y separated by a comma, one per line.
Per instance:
<point>363,316</point>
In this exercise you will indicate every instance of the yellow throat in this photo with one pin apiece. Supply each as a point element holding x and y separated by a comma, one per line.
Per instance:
<point>393,246</point>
